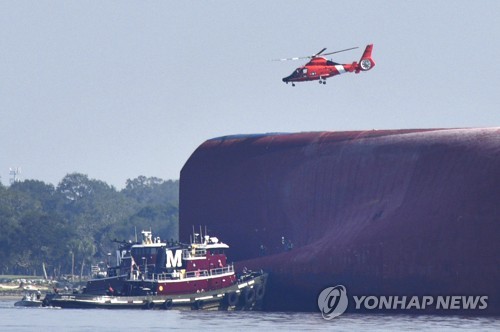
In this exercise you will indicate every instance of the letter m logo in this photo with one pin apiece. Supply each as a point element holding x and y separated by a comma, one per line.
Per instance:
<point>174,260</point>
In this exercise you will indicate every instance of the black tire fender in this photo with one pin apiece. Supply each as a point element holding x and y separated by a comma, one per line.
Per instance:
<point>249,296</point>
<point>167,305</point>
<point>149,305</point>
<point>198,305</point>
<point>232,299</point>
<point>260,291</point>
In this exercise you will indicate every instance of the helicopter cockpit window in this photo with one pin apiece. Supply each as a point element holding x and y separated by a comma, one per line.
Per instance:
<point>304,71</point>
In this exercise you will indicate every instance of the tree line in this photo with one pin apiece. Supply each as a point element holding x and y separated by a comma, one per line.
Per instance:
<point>72,225</point>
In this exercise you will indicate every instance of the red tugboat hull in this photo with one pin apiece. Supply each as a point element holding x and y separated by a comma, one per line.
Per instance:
<point>246,294</point>
<point>391,212</point>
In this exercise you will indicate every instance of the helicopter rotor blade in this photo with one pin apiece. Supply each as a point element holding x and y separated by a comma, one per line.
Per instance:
<point>315,55</point>
<point>292,59</point>
<point>347,49</point>
<point>324,49</point>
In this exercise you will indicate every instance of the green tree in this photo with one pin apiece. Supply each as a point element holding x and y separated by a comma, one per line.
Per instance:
<point>73,224</point>
<point>152,190</point>
<point>92,206</point>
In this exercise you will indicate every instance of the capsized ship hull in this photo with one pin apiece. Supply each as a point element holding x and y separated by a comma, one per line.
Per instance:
<point>400,212</point>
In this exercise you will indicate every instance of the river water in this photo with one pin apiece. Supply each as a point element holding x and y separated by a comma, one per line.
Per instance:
<point>52,319</point>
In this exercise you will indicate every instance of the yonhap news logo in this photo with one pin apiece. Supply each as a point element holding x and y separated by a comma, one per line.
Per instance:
<point>333,302</point>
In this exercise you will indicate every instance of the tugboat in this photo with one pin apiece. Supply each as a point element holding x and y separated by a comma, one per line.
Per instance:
<point>154,274</point>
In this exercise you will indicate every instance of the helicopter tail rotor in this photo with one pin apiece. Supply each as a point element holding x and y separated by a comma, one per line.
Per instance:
<point>366,62</point>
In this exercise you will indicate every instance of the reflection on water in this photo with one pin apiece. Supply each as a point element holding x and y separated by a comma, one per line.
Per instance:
<point>52,319</point>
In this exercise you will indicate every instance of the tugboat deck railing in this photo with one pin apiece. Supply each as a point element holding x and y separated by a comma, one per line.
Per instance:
<point>222,270</point>
<point>197,274</point>
<point>193,274</point>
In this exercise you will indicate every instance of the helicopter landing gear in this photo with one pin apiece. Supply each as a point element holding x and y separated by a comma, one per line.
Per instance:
<point>293,84</point>
<point>322,81</point>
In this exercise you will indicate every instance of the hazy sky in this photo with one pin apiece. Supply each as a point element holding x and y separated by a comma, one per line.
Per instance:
<point>118,89</point>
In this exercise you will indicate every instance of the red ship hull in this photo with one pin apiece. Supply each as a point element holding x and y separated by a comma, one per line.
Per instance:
<point>402,212</point>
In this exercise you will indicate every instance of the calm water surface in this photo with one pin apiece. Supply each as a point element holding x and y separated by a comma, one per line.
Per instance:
<point>51,319</point>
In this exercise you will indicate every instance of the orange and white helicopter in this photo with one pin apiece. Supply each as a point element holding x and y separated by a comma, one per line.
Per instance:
<point>320,68</point>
